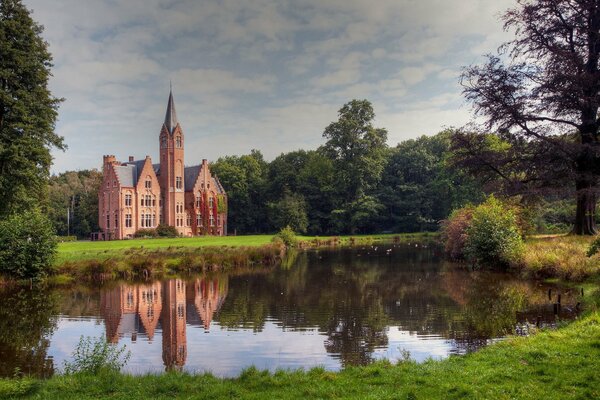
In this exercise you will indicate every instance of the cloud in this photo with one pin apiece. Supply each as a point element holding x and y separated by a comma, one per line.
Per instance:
<point>268,74</point>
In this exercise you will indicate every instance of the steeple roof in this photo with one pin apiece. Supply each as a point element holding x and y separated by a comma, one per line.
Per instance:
<point>171,116</point>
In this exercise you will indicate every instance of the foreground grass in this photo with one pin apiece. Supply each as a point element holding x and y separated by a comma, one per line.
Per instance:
<point>558,256</point>
<point>102,250</point>
<point>561,364</point>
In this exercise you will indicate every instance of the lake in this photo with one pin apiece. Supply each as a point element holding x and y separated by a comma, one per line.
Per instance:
<point>330,308</point>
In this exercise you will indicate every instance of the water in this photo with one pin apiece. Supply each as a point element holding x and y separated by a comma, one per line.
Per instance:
<point>328,308</point>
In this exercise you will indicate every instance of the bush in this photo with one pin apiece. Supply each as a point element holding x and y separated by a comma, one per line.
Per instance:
<point>493,236</point>
<point>454,232</point>
<point>146,233</point>
<point>594,247</point>
<point>93,355</point>
<point>164,230</point>
<point>27,245</point>
<point>287,236</point>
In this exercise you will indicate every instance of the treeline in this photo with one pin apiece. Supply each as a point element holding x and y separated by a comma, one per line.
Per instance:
<point>73,202</point>
<point>414,188</point>
<point>354,183</point>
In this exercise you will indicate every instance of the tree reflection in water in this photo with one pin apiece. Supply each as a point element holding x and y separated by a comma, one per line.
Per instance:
<point>353,297</point>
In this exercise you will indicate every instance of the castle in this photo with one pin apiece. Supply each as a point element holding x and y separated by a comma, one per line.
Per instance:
<point>140,195</point>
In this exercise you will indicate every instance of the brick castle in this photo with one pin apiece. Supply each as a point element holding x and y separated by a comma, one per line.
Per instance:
<point>140,195</point>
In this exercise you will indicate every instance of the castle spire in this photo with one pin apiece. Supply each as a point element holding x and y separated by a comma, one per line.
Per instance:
<point>171,116</point>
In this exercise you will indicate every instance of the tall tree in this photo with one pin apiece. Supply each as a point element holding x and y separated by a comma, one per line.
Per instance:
<point>28,110</point>
<point>244,179</point>
<point>542,94</point>
<point>358,152</point>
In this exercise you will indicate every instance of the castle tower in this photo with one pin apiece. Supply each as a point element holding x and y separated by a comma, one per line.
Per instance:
<point>171,174</point>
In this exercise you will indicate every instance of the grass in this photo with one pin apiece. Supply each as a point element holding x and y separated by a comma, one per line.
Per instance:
<point>560,364</point>
<point>558,256</point>
<point>102,250</point>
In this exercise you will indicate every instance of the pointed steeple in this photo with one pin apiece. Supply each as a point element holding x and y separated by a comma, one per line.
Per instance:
<point>171,116</point>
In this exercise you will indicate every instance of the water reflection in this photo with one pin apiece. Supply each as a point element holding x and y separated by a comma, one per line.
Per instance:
<point>331,308</point>
<point>129,310</point>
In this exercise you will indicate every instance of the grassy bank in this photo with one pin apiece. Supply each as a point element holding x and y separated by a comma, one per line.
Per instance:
<point>558,256</point>
<point>102,250</point>
<point>561,364</point>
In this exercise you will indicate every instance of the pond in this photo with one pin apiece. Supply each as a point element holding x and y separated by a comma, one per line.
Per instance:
<point>329,308</point>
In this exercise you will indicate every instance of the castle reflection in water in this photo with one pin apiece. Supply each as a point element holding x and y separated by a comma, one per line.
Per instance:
<point>129,310</point>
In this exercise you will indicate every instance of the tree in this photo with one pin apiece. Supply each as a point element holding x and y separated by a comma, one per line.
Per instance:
<point>74,193</point>
<point>542,95</point>
<point>289,211</point>
<point>419,186</point>
<point>244,179</point>
<point>357,150</point>
<point>27,245</point>
<point>28,110</point>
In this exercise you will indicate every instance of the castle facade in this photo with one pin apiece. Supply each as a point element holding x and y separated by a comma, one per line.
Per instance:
<point>138,194</point>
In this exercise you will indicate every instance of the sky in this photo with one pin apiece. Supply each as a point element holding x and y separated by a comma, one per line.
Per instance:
<point>255,74</point>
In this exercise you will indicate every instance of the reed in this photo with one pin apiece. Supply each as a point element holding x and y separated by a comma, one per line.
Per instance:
<point>140,263</point>
<point>558,256</point>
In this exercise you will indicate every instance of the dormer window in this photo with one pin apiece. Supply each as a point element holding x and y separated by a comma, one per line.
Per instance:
<point>178,142</point>
<point>148,184</point>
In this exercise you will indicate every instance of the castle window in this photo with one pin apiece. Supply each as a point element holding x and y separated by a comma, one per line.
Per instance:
<point>189,220</point>
<point>142,201</point>
<point>210,202</point>
<point>149,220</point>
<point>116,219</point>
<point>178,183</point>
<point>128,200</point>
<point>128,221</point>
<point>178,142</point>
<point>148,184</point>
<point>153,219</point>
<point>107,221</point>
<point>212,220</point>
<point>199,219</point>
<point>163,142</point>
<point>180,311</point>
<point>148,200</point>
<point>143,221</point>
<point>115,183</point>
<point>154,202</point>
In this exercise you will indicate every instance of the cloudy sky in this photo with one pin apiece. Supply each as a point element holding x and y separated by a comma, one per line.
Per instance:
<point>264,74</point>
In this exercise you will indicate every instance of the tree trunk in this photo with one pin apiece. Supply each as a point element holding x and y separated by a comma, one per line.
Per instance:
<point>585,221</point>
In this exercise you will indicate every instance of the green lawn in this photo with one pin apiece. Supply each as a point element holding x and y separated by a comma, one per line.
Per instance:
<point>86,250</point>
<point>562,364</point>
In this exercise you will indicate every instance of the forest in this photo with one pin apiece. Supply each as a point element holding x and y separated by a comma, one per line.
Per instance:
<point>410,187</point>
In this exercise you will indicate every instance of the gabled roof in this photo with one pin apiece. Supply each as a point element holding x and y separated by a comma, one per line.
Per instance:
<point>190,175</point>
<point>126,174</point>
<point>135,170</point>
<point>218,185</point>
<point>171,116</point>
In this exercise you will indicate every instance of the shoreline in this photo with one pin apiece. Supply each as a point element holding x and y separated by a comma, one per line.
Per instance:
<point>559,363</point>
